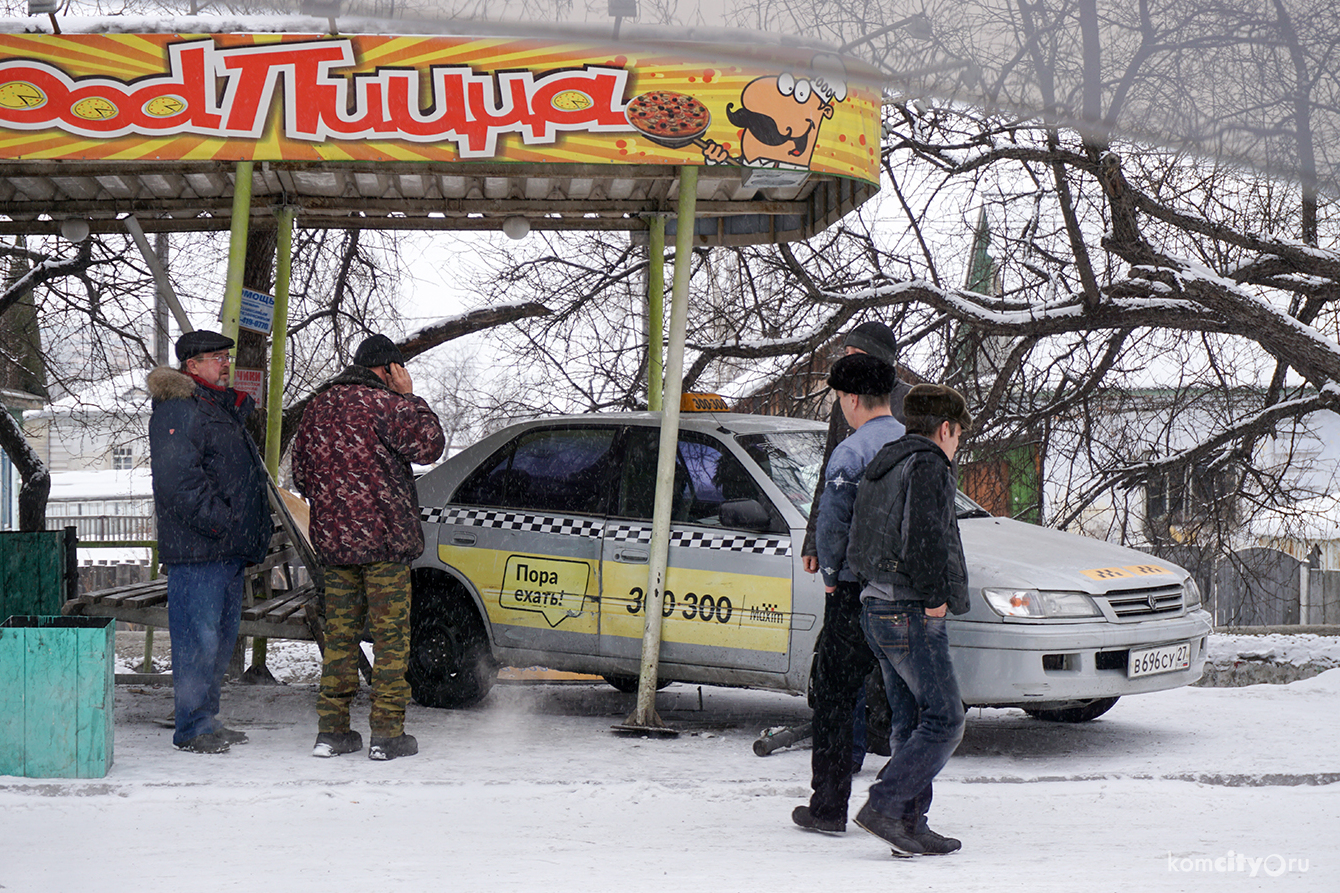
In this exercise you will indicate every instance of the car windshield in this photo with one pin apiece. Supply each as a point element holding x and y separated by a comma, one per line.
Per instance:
<point>792,459</point>
<point>966,508</point>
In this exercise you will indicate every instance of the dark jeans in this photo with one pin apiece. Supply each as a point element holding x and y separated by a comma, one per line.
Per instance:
<point>913,652</point>
<point>842,659</point>
<point>204,611</point>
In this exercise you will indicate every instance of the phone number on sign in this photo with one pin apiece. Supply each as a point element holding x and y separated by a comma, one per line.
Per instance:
<point>693,607</point>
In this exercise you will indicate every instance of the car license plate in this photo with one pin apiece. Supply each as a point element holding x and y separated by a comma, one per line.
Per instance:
<point>1163,659</point>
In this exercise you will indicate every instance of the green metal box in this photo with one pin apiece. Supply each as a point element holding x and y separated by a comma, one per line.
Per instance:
<point>56,696</point>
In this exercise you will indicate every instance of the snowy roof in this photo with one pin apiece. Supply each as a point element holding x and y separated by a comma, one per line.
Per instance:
<point>121,393</point>
<point>135,483</point>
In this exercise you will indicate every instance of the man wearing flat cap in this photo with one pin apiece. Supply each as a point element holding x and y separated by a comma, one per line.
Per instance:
<point>352,459</point>
<point>905,545</point>
<point>842,659</point>
<point>213,520</point>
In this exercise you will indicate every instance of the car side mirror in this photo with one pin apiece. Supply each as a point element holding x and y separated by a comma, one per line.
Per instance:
<point>748,514</point>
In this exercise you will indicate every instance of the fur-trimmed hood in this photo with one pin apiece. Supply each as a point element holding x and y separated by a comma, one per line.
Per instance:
<point>166,383</point>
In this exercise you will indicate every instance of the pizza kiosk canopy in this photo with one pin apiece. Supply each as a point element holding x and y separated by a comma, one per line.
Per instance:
<point>173,132</point>
<point>428,133</point>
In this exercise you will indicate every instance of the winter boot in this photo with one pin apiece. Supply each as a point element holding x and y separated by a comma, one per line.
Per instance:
<point>232,736</point>
<point>332,744</point>
<point>802,816</point>
<point>210,742</point>
<point>891,831</point>
<point>389,748</point>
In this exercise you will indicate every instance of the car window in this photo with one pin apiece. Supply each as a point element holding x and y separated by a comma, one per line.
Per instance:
<point>706,475</point>
<point>551,469</point>
<point>792,459</point>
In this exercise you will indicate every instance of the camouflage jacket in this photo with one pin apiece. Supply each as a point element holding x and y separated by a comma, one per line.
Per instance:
<point>351,459</point>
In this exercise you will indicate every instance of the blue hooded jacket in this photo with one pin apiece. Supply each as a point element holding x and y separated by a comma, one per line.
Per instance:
<point>209,485</point>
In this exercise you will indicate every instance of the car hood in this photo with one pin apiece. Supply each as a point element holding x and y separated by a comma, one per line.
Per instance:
<point>1004,552</point>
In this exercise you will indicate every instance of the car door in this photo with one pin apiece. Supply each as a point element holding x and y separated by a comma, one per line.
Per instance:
<point>728,590</point>
<point>525,528</point>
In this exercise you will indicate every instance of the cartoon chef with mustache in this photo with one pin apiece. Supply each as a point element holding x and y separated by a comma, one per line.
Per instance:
<point>780,116</point>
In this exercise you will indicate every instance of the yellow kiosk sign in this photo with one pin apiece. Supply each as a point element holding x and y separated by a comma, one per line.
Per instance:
<point>285,97</point>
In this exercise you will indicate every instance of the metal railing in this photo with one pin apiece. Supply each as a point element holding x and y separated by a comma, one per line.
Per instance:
<point>107,528</point>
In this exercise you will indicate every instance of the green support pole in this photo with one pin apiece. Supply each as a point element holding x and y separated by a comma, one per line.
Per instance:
<point>237,253</point>
<point>644,717</point>
<point>656,313</point>
<point>232,290</point>
<point>274,404</point>
<point>274,401</point>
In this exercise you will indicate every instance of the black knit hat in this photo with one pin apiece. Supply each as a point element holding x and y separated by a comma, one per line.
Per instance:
<point>938,402</point>
<point>861,373</point>
<point>193,344</point>
<point>876,339</point>
<point>377,350</point>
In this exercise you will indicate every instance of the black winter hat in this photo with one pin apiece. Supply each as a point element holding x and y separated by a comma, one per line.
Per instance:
<point>860,373</point>
<point>377,350</point>
<point>876,339</point>
<point>193,344</point>
<point>937,401</point>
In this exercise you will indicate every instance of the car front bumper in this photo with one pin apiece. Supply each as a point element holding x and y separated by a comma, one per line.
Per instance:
<point>1053,665</point>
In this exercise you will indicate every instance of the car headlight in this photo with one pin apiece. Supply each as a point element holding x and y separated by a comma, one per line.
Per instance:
<point>1039,603</point>
<point>1190,593</point>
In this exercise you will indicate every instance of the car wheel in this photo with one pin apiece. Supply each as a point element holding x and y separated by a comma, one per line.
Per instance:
<point>628,684</point>
<point>450,664</point>
<point>1083,713</point>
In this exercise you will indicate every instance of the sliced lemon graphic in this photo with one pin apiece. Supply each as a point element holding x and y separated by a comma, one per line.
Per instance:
<point>21,95</point>
<point>95,108</point>
<point>164,106</point>
<point>572,101</point>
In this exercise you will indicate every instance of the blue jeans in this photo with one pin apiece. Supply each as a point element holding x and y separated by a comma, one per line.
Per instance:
<point>913,654</point>
<point>204,611</point>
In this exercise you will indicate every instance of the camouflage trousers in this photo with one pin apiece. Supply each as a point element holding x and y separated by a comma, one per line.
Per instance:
<point>377,595</point>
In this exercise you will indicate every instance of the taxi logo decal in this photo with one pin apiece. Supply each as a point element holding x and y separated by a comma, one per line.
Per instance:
<point>1131,570</point>
<point>704,539</point>
<point>504,520</point>
<point>727,541</point>
<point>551,587</point>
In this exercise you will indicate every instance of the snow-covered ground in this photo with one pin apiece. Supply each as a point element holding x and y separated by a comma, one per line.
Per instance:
<point>1214,789</point>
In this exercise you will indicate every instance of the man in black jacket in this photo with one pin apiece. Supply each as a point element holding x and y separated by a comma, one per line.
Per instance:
<point>905,545</point>
<point>213,520</point>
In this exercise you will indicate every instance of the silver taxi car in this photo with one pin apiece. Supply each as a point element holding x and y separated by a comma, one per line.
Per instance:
<point>537,546</point>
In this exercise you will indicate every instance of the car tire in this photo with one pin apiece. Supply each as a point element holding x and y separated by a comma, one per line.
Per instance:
<point>450,664</point>
<point>628,684</point>
<point>1083,713</point>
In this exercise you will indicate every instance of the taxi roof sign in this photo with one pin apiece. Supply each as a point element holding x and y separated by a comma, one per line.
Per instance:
<point>702,403</point>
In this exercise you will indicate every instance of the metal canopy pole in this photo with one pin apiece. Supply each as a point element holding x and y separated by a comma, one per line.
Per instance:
<point>237,254</point>
<point>161,280</point>
<point>644,718</point>
<point>655,312</point>
<point>274,404</point>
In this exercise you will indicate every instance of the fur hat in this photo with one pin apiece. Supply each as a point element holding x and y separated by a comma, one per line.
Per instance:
<point>937,401</point>
<point>377,350</point>
<point>193,344</point>
<point>876,339</point>
<point>861,373</point>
